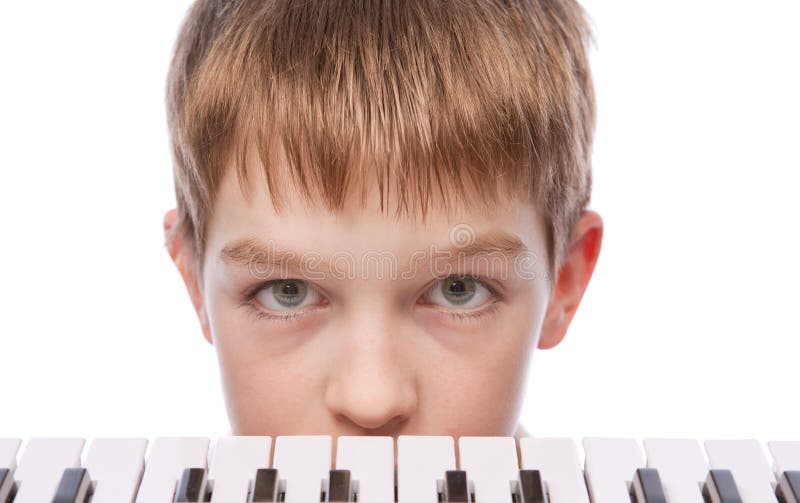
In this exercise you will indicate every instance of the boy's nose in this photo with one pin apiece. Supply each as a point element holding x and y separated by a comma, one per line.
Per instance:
<point>370,386</point>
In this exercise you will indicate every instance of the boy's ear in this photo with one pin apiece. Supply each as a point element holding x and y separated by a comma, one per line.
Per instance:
<point>572,278</point>
<point>183,259</point>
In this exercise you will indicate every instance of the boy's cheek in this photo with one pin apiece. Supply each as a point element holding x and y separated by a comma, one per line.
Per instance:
<point>270,397</point>
<point>467,398</point>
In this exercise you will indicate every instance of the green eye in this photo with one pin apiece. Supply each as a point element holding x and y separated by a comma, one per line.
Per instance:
<point>458,290</point>
<point>287,295</point>
<point>290,292</point>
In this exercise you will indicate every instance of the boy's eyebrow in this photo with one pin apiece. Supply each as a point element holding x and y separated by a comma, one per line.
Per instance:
<point>248,252</point>
<point>492,242</point>
<point>254,252</point>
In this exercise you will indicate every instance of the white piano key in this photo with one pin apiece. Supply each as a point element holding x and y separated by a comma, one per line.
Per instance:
<point>557,461</point>
<point>785,455</point>
<point>8,452</point>
<point>169,456</point>
<point>42,464</point>
<point>610,466</point>
<point>749,466</point>
<point>491,464</point>
<point>116,466</point>
<point>681,466</point>
<point>303,462</point>
<point>234,464</point>
<point>421,462</point>
<point>371,463</point>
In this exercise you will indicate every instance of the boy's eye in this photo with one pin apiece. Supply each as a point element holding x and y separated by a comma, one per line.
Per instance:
<point>287,295</point>
<point>459,291</point>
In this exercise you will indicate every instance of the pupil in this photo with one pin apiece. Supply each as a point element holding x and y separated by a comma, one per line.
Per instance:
<point>290,289</point>
<point>457,286</point>
<point>459,290</point>
<point>290,292</point>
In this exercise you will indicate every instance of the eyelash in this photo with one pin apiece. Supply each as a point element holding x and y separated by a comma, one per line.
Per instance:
<point>283,318</point>
<point>472,316</point>
<point>460,316</point>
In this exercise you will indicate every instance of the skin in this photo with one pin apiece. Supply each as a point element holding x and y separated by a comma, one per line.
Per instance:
<point>376,354</point>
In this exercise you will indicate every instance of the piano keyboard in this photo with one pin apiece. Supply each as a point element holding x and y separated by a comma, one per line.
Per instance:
<point>427,469</point>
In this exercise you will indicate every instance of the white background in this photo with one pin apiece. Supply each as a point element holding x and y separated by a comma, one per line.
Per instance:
<point>689,327</point>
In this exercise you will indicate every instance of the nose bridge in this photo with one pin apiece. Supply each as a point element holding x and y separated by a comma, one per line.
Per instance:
<point>370,385</point>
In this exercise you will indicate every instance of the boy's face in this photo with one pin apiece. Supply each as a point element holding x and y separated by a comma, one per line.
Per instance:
<point>378,333</point>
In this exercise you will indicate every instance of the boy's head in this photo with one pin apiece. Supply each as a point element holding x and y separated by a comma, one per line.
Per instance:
<point>381,206</point>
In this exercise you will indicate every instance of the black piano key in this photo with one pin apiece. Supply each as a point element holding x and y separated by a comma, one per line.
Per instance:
<point>265,486</point>
<point>788,487</point>
<point>721,488</point>
<point>75,486</point>
<point>531,487</point>
<point>7,487</point>
<point>455,486</point>
<point>192,487</point>
<point>338,486</point>
<point>646,487</point>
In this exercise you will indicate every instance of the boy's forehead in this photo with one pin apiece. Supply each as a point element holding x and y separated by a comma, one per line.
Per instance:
<point>244,209</point>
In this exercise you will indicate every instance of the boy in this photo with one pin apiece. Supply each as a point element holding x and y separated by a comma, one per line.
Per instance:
<point>381,206</point>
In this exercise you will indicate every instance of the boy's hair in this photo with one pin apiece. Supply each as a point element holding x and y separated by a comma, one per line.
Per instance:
<point>492,98</point>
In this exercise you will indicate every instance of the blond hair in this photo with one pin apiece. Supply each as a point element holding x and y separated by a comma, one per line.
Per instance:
<point>431,95</point>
